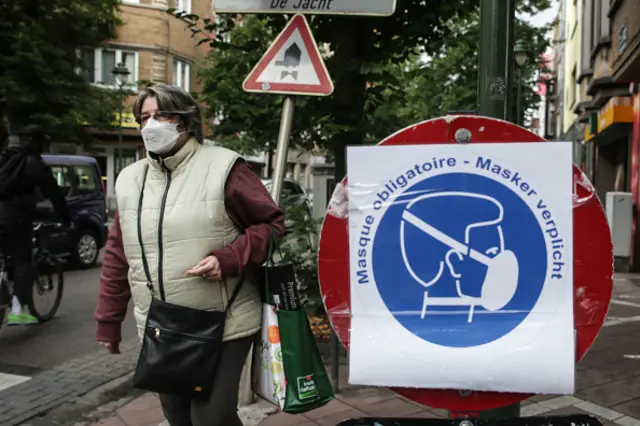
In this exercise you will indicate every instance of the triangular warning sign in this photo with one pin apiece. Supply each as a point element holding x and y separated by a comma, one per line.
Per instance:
<point>292,65</point>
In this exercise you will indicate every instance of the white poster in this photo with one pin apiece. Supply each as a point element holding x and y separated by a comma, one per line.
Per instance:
<point>461,267</point>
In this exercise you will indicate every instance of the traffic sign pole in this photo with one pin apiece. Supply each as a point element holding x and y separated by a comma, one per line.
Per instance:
<point>291,66</point>
<point>496,44</point>
<point>282,149</point>
<point>494,91</point>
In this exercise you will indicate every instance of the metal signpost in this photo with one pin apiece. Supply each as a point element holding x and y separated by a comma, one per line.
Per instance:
<point>315,7</point>
<point>592,256</point>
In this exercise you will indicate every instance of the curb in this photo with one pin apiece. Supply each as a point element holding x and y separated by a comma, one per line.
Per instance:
<point>89,407</point>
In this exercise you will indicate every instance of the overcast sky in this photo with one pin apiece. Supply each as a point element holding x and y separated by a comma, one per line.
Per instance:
<point>545,17</point>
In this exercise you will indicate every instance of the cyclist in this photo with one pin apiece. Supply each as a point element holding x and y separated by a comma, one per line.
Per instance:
<point>22,172</point>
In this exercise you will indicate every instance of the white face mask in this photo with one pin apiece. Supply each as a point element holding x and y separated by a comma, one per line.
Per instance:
<point>160,138</point>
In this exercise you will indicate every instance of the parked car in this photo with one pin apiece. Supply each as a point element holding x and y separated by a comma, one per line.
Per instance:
<point>79,177</point>
<point>292,194</point>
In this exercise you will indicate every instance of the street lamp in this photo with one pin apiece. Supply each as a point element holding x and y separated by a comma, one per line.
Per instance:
<point>521,54</point>
<point>121,74</point>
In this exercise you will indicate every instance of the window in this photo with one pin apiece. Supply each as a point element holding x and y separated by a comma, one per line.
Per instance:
<point>571,94</point>
<point>181,74</point>
<point>61,175</point>
<point>76,180</point>
<point>183,5</point>
<point>131,1</point>
<point>85,182</point>
<point>99,63</point>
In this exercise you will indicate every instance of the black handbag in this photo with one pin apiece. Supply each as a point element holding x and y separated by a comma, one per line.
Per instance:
<point>181,346</point>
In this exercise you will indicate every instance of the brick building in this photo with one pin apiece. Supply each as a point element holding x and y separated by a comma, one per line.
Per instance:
<point>155,47</point>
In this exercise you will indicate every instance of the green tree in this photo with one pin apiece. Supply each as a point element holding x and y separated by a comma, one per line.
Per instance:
<point>362,50</point>
<point>447,81</point>
<point>39,78</point>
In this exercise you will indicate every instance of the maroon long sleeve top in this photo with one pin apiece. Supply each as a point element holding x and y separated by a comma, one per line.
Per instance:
<point>250,207</point>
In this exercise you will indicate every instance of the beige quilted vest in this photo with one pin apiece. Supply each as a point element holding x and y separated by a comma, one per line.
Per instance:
<point>188,189</point>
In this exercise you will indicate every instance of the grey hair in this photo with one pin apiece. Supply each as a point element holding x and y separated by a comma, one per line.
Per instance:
<point>176,100</point>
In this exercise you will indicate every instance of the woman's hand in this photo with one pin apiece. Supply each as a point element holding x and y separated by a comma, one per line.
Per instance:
<point>209,267</point>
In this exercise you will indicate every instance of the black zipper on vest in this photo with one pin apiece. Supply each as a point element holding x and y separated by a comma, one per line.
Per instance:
<point>160,226</point>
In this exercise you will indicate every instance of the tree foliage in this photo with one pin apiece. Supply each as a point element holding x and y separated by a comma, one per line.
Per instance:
<point>39,82</point>
<point>448,80</point>
<point>382,81</point>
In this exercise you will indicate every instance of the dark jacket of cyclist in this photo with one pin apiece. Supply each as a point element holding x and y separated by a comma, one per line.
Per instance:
<point>17,212</point>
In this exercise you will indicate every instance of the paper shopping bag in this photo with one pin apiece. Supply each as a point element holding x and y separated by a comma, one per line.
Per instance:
<point>268,369</point>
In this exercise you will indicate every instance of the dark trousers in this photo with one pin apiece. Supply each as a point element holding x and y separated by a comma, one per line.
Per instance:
<point>17,245</point>
<point>222,407</point>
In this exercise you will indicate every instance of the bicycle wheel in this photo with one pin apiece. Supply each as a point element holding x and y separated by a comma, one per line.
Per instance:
<point>47,288</point>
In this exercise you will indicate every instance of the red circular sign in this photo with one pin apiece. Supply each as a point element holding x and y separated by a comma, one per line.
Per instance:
<point>593,256</point>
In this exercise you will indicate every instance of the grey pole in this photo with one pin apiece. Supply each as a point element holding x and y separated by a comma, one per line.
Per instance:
<point>282,149</point>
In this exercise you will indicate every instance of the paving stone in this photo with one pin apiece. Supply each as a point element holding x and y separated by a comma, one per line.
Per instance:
<point>559,402</point>
<point>609,394</point>
<point>397,406</point>
<point>627,421</point>
<point>533,409</point>
<point>111,421</point>
<point>336,418</point>
<point>284,419</point>
<point>364,396</point>
<point>599,411</point>
<point>630,408</point>
<point>329,409</point>
<point>50,388</point>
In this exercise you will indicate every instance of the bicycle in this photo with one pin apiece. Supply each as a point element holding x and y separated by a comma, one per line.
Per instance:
<point>49,271</point>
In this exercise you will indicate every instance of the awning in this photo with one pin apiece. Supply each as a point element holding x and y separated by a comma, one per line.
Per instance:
<point>618,110</point>
<point>128,120</point>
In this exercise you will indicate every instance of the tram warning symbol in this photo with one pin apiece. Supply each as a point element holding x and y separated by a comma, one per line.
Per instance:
<point>291,59</point>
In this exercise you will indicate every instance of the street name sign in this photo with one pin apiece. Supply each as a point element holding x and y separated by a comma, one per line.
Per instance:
<point>312,7</point>
<point>292,65</point>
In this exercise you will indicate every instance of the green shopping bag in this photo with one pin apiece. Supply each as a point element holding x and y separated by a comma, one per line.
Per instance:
<point>306,381</point>
<point>307,384</point>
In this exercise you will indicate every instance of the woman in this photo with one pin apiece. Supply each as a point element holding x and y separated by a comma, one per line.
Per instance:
<point>206,220</point>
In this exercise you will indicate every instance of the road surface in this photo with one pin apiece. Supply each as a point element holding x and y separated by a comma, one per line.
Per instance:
<point>69,335</point>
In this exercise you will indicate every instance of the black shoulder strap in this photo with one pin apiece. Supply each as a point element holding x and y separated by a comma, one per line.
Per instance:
<point>145,263</point>
<point>236,291</point>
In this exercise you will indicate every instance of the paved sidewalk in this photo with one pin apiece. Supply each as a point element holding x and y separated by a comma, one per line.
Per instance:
<point>23,397</point>
<point>607,385</point>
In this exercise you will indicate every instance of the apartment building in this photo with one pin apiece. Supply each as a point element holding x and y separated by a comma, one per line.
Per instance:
<point>625,70</point>
<point>556,118</point>
<point>606,109</point>
<point>572,43</point>
<point>601,105</point>
<point>155,47</point>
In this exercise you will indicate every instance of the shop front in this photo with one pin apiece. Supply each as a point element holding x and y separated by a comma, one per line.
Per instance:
<point>608,133</point>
